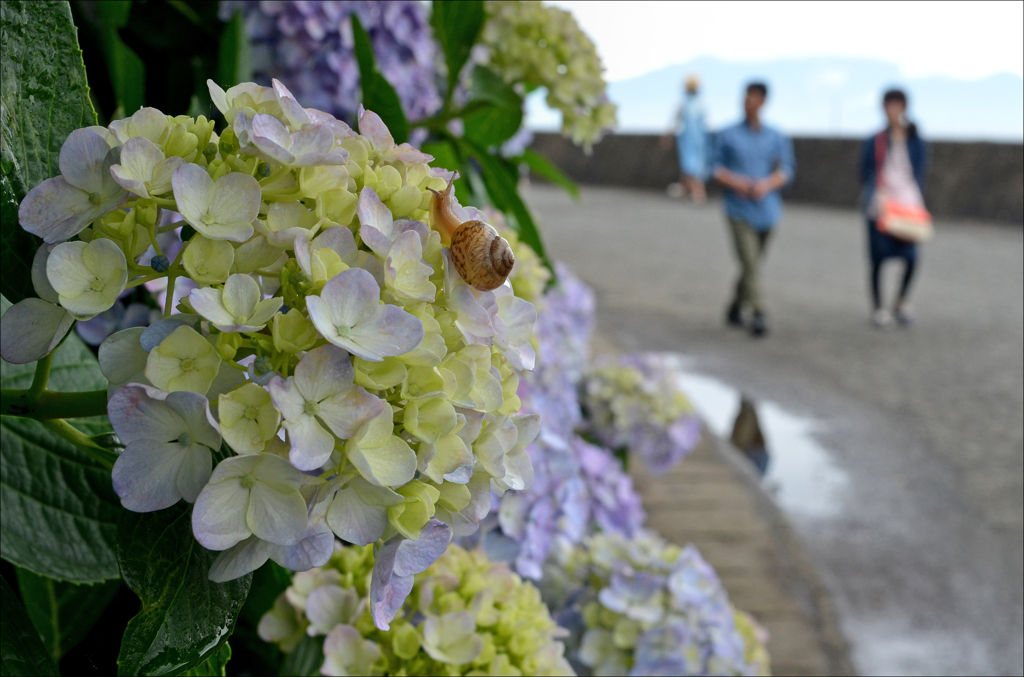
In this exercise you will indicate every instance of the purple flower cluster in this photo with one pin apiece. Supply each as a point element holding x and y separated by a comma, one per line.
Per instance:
<point>635,402</point>
<point>309,46</point>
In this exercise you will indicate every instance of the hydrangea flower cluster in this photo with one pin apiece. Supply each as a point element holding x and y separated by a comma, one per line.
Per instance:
<point>635,402</point>
<point>330,375</point>
<point>465,615</point>
<point>310,45</point>
<point>543,46</point>
<point>641,606</point>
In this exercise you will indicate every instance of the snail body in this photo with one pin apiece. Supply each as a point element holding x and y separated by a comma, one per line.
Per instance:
<point>482,257</point>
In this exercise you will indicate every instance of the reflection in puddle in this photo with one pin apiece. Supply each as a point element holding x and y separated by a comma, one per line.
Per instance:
<point>801,473</point>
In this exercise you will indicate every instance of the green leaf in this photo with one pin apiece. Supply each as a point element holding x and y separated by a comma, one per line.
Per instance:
<point>185,616</point>
<point>234,54</point>
<point>445,156</point>
<point>63,613</point>
<point>540,167</point>
<point>21,651</point>
<point>456,27</point>
<point>58,510</point>
<point>44,96</point>
<point>215,665</point>
<point>501,114</point>
<point>306,658</point>
<point>127,72</point>
<point>501,179</point>
<point>378,94</point>
<point>269,581</point>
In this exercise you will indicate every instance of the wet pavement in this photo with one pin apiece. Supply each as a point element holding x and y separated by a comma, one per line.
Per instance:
<point>897,456</point>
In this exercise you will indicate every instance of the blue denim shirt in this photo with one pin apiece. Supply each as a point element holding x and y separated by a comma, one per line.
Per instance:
<point>754,154</point>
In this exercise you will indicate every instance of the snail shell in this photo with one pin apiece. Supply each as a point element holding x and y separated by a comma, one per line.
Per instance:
<point>483,258</point>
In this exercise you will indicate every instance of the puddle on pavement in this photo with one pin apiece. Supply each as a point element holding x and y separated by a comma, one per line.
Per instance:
<point>801,473</point>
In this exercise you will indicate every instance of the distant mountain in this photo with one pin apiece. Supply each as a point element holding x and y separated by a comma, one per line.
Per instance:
<point>818,96</point>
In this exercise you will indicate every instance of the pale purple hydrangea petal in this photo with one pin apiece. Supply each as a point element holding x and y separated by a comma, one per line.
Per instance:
<point>355,521</point>
<point>397,561</point>
<point>276,516</point>
<point>81,161</point>
<point>31,329</point>
<point>219,516</point>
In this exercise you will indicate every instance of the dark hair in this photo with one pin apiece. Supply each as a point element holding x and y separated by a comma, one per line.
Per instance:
<point>896,94</point>
<point>759,87</point>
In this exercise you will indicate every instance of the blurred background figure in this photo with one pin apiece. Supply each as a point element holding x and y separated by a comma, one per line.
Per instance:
<point>692,143</point>
<point>747,436</point>
<point>753,161</point>
<point>893,165</point>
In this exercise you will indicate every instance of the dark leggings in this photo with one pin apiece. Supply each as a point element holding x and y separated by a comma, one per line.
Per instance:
<point>876,274</point>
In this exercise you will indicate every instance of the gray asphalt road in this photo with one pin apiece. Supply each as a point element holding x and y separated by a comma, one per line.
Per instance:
<point>925,559</point>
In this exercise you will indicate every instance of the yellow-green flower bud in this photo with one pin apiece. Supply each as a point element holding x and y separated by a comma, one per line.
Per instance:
<point>409,516</point>
<point>248,419</point>
<point>293,332</point>
<point>337,205</point>
<point>181,142</point>
<point>405,200</point>
<point>208,261</point>
<point>228,345</point>
<point>406,641</point>
<point>379,375</point>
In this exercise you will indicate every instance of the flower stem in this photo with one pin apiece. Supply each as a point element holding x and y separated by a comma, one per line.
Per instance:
<point>41,377</point>
<point>46,405</point>
<point>76,437</point>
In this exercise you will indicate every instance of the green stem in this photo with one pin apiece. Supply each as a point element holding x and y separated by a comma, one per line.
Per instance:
<point>76,437</point>
<point>41,377</point>
<point>48,405</point>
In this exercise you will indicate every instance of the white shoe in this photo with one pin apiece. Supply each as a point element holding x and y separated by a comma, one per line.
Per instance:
<point>675,190</point>
<point>881,318</point>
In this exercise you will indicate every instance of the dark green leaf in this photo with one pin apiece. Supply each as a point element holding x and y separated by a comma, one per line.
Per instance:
<point>269,581</point>
<point>234,56</point>
<point>502,113</point>
<point>456,27</point>
<point>185,616</point>
<point>306,659</point>
<point>21,651</point>
<point>378,94</point>
<point>215,665</point>
<point>58,511</point>
<point>540,167</point>
<point>445,156</point>
<point>127,72</point>
<point>44,97</point>
<point>501,179</point>
<point>63,613</point>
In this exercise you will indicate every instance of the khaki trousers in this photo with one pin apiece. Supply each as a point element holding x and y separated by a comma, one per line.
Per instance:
<point>750,246</point>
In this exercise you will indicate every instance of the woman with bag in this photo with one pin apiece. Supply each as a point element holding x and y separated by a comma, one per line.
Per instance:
<point>893,165</point>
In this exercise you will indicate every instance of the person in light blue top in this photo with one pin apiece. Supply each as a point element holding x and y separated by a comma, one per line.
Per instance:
<point>753,162</point>
<point>692,141</point>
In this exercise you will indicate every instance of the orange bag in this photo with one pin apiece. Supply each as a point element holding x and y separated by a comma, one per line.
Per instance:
<point>909,223</point>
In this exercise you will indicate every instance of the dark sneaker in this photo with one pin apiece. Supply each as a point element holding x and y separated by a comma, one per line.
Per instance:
<point>758,324</point>
<point>734,316</point>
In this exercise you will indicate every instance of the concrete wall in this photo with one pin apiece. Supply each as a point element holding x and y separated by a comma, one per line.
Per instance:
<point>973,180</point>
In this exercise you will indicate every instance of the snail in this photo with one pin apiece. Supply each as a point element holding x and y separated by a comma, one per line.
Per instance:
<point>483,258</point>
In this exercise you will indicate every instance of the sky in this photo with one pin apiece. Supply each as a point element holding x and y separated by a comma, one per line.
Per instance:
<point>827,63</point>
<point>958,39</point>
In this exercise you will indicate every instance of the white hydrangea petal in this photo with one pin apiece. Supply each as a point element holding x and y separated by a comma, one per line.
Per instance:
<point>40,282</point>
<point>338,239</point>
<point>195,469</point>
<point>219,515</point>
<point>276,516</point>
<point>324,372</point>
<point>272,138</point>
<point>31,329</point>
<point>123,359</point>
<point>355,521</point>
<point>139,157</point>
<point>392,332</point>
<point>353,297</point>
<point>81,160</point>
<point>139,412</point>
<point>240,559</point>
<point>218,97</point>
<point>373,128</point>
<point>163,175</point>
<point>328,606</point>
<point>311,444</point>
<point>236,199</point>
<point>207,302</point>
<point>193,190</point>
<point>287,399</point>
<point>240,296</point>
<point>344,412</point>
<point>375,221</point>
<point>145,474</point>
<point>55,210</point>
<point>314,550</point>
<point>194,410</point>
<point>265,310</point>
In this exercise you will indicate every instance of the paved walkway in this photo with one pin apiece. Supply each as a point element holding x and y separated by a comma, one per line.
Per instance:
<point>925,555</point>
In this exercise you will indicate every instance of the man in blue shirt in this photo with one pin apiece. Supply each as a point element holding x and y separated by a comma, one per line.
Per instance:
<point>753,162</point>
